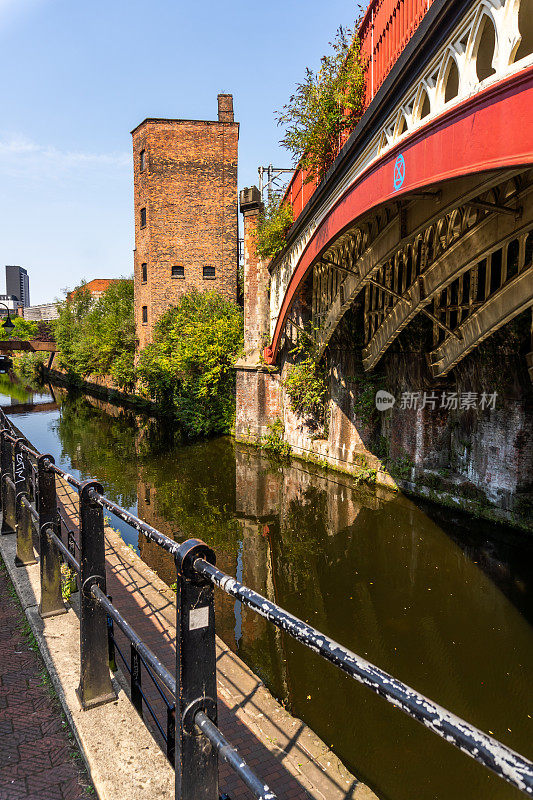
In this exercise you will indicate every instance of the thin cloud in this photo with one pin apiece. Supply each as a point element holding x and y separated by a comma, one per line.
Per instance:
<point>10,10</point>
<point>21,155</point>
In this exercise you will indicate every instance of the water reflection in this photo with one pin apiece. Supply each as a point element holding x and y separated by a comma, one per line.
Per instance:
<point>16,392</point>
<point>439,601</point>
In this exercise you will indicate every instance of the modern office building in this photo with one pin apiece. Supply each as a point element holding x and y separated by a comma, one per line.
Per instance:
<point>18,284</point>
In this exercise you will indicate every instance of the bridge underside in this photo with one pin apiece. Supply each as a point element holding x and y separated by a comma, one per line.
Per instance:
<point>450,239</point>
<point>459,253</point>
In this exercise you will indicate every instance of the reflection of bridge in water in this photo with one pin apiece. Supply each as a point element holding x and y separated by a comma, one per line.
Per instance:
<point>367,567</point>
<point>373,570</point>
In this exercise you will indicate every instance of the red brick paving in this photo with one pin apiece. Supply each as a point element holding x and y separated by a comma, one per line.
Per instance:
<point>37,759</point>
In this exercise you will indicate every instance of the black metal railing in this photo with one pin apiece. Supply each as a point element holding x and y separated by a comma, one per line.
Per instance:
<point>189,696</point>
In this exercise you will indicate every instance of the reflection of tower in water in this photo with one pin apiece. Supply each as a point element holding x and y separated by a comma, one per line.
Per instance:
<point>163,564</point>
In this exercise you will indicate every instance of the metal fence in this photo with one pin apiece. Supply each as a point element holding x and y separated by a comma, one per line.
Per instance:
<point>28,499</point>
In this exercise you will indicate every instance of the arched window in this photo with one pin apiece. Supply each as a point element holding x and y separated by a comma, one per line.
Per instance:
<point>424,105</point>
<point>525,26</point>
<point>402,125</point>
<point>452,82</point>
<point>485,50</point>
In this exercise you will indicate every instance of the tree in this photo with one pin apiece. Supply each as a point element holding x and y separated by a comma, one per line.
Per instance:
<point>97,337</point>
<point>189,366</point>
<point>24,329</point>
<point>271,232</point>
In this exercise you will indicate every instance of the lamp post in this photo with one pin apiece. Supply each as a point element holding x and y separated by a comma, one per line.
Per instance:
<point>7,325</point>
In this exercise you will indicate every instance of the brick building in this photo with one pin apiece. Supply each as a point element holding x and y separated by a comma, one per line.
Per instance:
<point>185,199</point>
<point>96,287</point>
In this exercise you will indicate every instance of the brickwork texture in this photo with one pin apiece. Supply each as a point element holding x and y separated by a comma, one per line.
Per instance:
<point>185,204</point>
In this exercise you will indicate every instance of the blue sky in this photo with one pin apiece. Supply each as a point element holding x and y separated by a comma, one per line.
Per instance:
<point>78,76</point>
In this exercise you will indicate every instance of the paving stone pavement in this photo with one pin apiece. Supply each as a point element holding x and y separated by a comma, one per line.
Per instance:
<point>38,760</point>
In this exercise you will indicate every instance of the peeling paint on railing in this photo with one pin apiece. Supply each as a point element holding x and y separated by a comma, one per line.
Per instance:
<point>494,755</point>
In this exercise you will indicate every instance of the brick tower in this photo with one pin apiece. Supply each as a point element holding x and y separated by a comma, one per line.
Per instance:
<point>185,199</point>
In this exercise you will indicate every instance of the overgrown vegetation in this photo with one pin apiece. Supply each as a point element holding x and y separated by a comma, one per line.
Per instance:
<point>307,382</point>
<point>274,222</point>
<point>189,366</point>
<point>97,337</point>
<point>325,105</point>
<point>364,399</point>
<point>28,365</point>
<point>274,441</point>
<point>68,581</point>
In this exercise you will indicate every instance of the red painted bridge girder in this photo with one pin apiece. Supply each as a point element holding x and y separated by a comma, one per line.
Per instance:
<point>491,130</point>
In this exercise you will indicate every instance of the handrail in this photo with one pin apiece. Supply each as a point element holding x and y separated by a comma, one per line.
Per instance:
<point>160,670</point>
<point>483,748</point>
<point>197,574</point>
<point>98,613</point>
<point>232,757</point>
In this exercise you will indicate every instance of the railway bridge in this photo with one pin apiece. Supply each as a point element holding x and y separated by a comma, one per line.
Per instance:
<point>411,264</point>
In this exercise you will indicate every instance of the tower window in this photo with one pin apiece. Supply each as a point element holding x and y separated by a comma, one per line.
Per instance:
<point>209,272</point>
<point>142,161</point>
<point>178,271</point>
<point>144,272</point>
<point>143,217</point>
<point>145,313</point>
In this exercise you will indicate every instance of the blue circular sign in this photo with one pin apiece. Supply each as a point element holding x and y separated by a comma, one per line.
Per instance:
<point>399,172</point>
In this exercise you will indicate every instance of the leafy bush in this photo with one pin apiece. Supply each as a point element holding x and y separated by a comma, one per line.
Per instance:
<point>24,329</point>
<point>307,381</point>
<point>189,366</point>
<point>28,365</point>
<point>307,387</point>
<point>97,337</point>
<point>274,441</point>
<point>271,233</point>
<point>325,105</point>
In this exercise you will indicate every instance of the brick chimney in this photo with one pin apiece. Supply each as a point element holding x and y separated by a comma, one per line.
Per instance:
<point>225,108</point>
<point>256,275</point>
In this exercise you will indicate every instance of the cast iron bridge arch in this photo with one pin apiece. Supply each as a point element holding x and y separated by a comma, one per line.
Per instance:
<point>428,209</point>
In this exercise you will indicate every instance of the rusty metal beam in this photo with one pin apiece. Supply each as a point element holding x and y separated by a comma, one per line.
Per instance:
<point>486,236</point>
<point>485,205</point>
<point>427,313</point>
<point>500,308</point>
<point>338,266</point>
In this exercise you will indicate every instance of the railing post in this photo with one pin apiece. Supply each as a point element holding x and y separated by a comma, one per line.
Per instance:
<point>196,760</point>
<point>111,641</point>
<point>95,682</point>
<point>8,494</point>
<point>24,520</point>
<point>2,432</point>
<point>51,596</point>
<point>171,734</point>
<point>135,666</point>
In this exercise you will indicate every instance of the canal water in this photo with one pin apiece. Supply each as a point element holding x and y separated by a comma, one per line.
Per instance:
<point>441,601</point>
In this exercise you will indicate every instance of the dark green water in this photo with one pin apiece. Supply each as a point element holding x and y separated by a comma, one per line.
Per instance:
<point>442,602</point>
